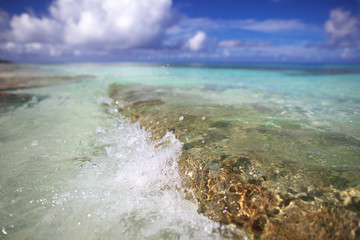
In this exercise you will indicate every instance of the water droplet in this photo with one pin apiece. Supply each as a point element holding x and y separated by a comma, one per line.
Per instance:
<point>100,130</point>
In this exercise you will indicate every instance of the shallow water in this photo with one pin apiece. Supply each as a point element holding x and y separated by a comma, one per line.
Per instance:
<point>72,166</point>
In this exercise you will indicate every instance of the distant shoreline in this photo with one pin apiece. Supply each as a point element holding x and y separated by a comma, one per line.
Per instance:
<point>5,61</point>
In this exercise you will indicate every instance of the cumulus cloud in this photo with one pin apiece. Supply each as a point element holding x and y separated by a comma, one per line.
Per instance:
<point>135,29</point>
<point>342,29</point>
<point>27,28</point>
<point>197,42</point>
<point>85,24</point>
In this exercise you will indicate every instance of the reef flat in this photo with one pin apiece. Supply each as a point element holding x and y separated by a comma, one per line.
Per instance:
<point>268,178</point>
<point>11,80</point>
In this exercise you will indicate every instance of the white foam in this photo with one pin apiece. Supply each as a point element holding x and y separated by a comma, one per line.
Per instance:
<point>131,189</point>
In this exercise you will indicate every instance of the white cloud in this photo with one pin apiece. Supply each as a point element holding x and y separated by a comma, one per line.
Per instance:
<point>341,23</point>
<point>273,25</point>
<point>104,24</point>
<point>246,44</point>
<point>197,42</point>
<point>26,28</point>
<point>32,48</point>
<point>342,29</point>
<point>174,30</point>
<point>347,54</point>
<point>268,26</point>
<point>129,24</point>
<point>134,29</point>
<point>229,43</point>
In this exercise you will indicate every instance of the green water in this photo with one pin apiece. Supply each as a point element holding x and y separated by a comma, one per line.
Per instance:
<point>72,167</point>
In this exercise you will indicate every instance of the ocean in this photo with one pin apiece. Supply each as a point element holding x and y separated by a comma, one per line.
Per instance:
<point>180,151</point>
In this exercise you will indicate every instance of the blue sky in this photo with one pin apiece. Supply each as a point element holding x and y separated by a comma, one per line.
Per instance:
<point>165,30</point>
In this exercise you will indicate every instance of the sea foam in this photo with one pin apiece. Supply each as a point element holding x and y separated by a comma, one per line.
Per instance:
<point>129,188</point>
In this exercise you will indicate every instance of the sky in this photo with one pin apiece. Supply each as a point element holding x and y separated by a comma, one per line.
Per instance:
<point>180,30</point>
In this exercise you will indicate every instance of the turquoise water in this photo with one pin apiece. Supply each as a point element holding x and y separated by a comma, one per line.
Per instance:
<point>72,167</point>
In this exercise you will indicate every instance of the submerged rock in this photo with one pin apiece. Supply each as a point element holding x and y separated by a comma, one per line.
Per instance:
<point>252,174</point>
<point>10,101</point>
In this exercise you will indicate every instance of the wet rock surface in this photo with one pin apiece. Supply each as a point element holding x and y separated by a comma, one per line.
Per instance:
<point>270,179</point>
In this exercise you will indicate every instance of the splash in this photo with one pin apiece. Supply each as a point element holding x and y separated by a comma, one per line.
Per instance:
<point>128,187</point>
